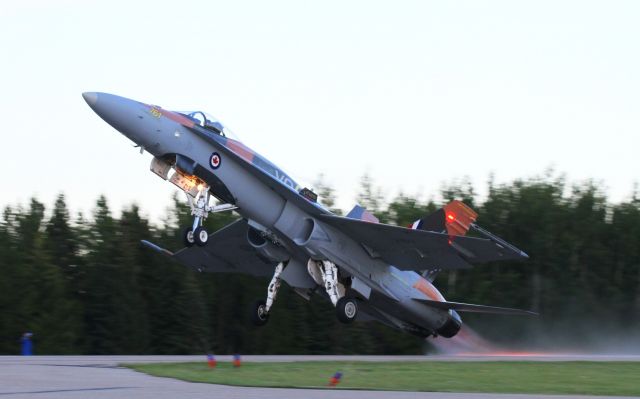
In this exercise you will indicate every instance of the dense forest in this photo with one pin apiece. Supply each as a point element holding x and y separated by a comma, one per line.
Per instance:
<point>84,284</point>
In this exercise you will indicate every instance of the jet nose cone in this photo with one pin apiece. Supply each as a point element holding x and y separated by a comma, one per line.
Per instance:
<point>90,97</point>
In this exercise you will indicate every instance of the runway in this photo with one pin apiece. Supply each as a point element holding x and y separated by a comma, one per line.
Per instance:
<point>100,377</point>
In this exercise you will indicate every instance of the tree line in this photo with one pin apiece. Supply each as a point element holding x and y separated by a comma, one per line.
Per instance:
<point>85,285</point>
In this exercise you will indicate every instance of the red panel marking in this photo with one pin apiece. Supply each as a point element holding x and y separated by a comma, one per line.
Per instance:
<point>178,118</point>
<point>428,289</point>
<point>240,149</point>
<point>458,218</point>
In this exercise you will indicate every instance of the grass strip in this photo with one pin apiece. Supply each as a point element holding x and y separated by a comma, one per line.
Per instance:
<point>577,378</point>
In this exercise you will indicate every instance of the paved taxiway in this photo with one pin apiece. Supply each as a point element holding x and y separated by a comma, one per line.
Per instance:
<point>54,377</point>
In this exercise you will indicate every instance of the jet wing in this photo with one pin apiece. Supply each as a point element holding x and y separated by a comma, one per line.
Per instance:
<point>409,249</point>
<point>468,307</point>
<point>227,251</point>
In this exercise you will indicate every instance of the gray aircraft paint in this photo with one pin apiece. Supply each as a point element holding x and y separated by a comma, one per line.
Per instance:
<point>276,211</point>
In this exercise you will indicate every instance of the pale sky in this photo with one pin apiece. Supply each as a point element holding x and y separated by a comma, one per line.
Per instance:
<point>416,93</point>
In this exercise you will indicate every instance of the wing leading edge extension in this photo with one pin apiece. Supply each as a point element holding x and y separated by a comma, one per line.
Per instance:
<point>409,249</point>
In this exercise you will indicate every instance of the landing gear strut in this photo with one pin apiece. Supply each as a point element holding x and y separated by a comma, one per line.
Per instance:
<point>260,310</point>
<point>196,233</point>
<point>327,271</point>
<point>330,278</point>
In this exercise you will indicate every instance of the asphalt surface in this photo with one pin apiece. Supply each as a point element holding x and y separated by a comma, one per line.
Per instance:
<point>100,377</point>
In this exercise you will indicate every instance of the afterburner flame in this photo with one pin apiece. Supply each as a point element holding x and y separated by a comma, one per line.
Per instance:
<point>465,342</point>
<point>469,343</point>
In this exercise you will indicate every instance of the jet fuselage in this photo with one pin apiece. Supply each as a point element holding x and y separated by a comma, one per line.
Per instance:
<point>236,175</point>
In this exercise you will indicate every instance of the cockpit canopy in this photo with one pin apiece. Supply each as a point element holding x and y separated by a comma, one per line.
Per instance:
<point>209,122</point>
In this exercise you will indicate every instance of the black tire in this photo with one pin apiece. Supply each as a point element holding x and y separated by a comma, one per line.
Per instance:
<point>347,310</point>
<point>259,315</point>
<point>200,236</point>
<point>188,237</point>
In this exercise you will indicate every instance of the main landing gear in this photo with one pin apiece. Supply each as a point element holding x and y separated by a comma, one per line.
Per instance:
<point>196,233</point>
<point>260,310</point>
<point>325,273</point>
<point>347,310</point>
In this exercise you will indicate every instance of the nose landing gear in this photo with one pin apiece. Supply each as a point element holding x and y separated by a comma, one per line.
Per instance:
<point>196,233</point>
<point>199,236</point>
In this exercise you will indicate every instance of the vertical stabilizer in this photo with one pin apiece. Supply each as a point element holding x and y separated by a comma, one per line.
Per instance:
<point>455,218</point>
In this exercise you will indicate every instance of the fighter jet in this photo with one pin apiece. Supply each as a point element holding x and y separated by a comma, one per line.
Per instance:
<point>366,269</point>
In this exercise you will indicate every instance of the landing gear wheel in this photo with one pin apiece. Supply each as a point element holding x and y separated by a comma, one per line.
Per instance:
<point>259,315</point>
<point>347,310</point>
<point>200,236</point>
<point>188,237</point>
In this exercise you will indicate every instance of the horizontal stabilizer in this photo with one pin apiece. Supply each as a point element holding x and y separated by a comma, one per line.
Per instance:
<point>467,307</point>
